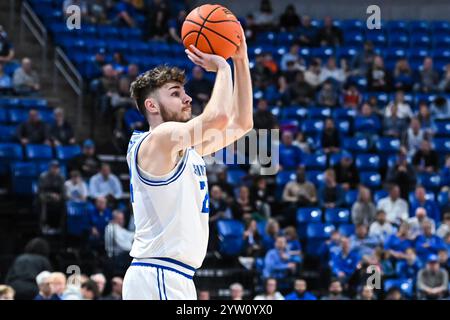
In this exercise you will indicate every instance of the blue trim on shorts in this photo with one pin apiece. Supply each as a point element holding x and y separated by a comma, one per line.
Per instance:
<point>164,283</point>
<point>159,287</point>
<point>176,262</point>
<point>145,264</point>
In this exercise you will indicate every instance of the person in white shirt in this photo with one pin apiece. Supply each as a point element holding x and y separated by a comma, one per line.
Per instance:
<point>291,55</point>
<point>416,223</point>
<point>118,240</point>
<point>444,228</point>
<point>76,188</point>
<point>403,109</point>
<point>395,207</point>
<point>381,228</point>
<point>414,136</point>
<point>312,75</point>
<point>331,70</point>
<point>105,184</point>
<point>270,292</point>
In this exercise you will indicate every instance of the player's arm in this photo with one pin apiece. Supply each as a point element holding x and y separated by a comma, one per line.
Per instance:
<point>241,110</point>
<point>169,138</point>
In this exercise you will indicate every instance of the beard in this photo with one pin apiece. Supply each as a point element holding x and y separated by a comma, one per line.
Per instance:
<point>167,115</point>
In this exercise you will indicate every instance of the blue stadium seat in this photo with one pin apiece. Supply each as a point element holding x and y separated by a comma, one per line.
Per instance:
<point>420,41</point>
<point>398,39</point>
<point>441,40</point>
<point>294,112</point>
<point>367,124</point>
<point>9,152</point>
<point>319,230</point>
<point>440,27</point>
<point>370,179</point>
<point>355,38</point>
<point>429,195</point>
<point>285,38</point>
<point>346,52</point>
<point>367,162</point>
<point>67,152</point>
<point>8,133</point>
<point>38,152</point>
<point>318,113</point>
<point>419,26</point>
<point>17,116</point>
<point>314,161</point>
<point>429,181</point>
<point>308,215</point>
<point>23,175</point>
<point>343,127</point>
<point>3,116</point>
<point>235,176</point>
<point>315,177</point>
<point>378,38</point>
<point>323,53</point>
<point>441,145</point>
<point>347,229</point>
<point>284,176</point>
<point>379,194</point>
<point>312,127</point>
<point>350,197</point>
<point>230,237</point>
<point>443,198</point>
<point>77,218</point>
<point>355,144</point>
<point>352,25</point>
<point>34,103</point>
<point>396,26</point>
<point>388,145</point>
<point>405,286</point>
<point>337,216</point>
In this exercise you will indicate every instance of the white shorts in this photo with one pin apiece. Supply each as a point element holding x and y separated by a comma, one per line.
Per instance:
<point>159,279</point>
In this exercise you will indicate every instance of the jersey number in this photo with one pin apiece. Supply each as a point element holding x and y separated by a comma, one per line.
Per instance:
<point>205,206</point>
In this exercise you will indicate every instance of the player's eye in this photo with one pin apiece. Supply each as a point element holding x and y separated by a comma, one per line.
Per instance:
<point>175,94</point>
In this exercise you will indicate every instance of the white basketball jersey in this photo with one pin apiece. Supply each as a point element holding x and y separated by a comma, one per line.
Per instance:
<point>171,212</point>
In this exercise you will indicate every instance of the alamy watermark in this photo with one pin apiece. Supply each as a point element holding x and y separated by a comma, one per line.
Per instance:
<point>73,20</point>
<point>374,20</point>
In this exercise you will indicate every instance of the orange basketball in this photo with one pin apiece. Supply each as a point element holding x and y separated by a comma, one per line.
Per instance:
<point>212,29</point>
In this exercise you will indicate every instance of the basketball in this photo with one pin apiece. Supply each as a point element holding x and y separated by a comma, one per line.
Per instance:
<point>212,29</point>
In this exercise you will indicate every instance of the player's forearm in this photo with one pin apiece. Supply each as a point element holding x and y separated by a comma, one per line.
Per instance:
<point>242,107</point>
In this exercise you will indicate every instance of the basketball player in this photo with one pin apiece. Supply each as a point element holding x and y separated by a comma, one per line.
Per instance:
<point>168,186</point>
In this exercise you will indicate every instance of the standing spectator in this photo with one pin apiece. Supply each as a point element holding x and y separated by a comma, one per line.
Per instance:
<point>118,242</point>
<point>100,280</point>
<point>262,196</point>
<point>363,210</point>
<point>344,263</point>
<point>25,79</point>
<point>98,220</point>
<point>292,154</point>
<point>87,162</point>
<point>300,91</point>
<point>331,194</point>
<point>6,292</point>
<point>22,274</point>
<point>363,60</point>
<point>335,291</point>
<point>199,89</point>
<point>76,189</point>
<point>428,77</point>
<point>414,136</point>
<point>378,77</point>
<point>381,228</point>
<point>416,223</point>
<point>395,207</point>
<point>428,243</point>
<point>43,282</point>
<point>307,32</point>
<point>289,20</point>
<point>329,35</point>
<point>270,291</point>
<point>430,206</point>
<point>6,47</point>
<point>300,193</point>
<point>409,267</point>
<point>116,289</point>
<point>51,198</point>
<point>263,118</point>
<point>300,292</point>
<point>346,173</point>
<point>61,132</point>
<point>330,141</point>
<point>332,72</point>
<point>432,281</point>
<point>426,159</point>
<point>264,18</point>
<point>105,184</point>
<point>107,86</point>
<point>236,291</point>
<point>34,130</point>
<point>328,96</point>
<point>57,285</point>
<point>402,174</point>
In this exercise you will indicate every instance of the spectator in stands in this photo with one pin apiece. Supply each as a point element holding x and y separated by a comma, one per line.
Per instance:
<point>116,289</point>
<point>409,267</point>
<point>346,173</point>
<point>426,120</point>
<point>428,77</point>
<point>332,72</point>
<point>22,273</point>
<point>429,205</point>
<point>25,79</point>
<point>252,240</point>
<point>403,110</point>
<point>371,124</point>
<point>300,193</point>
<point>263,118</point>
<point>396,208</point>
<point>5,82</point>
<point>428,243</point>
<point>414,136</point>
<point>107,86</point>
<point>363,60</point>
<point>261,74</point>
<point>393,125</point>
<point>313,74</point>
<point>351,97</point>
<point>444,85</point>
<point>105,184</point>
<point>417,222</point>
<point>57,285</point>
<point>271,233</point>
<point>203,294</point>
<point>335,291</point>
<point>444,228</point>
<point>330,141</point>
<point>293,244</point>
<point>363,210</point>
<point>243,208</point>
<point>61,132</point>
<point>51,198</point>
<point>89,290</point>
<point>236,291</point>
<point>394,293</point>
<point>366,293</point>
<point>426,159</point>
<point>300,92</point>
<point>300,292</point>
<point>264,18</point>
<point>100,280</point>
<point>6,47</point>
<point>331,194</point>
<point>402,174</point>
<point>225,186</point>
<point>34,130</point>
<point>73,288</point>
<point>289,20</point>
<point>262,196</point>
<point>88,162</point>
<point>302,142</point>
<point>293,154</point>
<point>158,17</point>
<point>329,35</point>
<point>124,13</point>
<point>120,100</point>
<point>270,291</point>
<point>98,220</point>
<point>362,242</point>
<point>444,261</point>
<point>403,75</point>
<point>75,188</point>
<point>440,108</point>
<point>293,56</point>
<point>175,26</point>
<point>432,281</point>
<point>43,282</point>
<point>343,263</point>
<point>97,11</point>
<point>218,207</point>
<point>199,89</point>
<point>328,96</point>
<point>378,77</point>
<point>381,228</point>
<point>118,242</point>
<point>330,247</point>
<point>7,292</point>
<point>307,32</point>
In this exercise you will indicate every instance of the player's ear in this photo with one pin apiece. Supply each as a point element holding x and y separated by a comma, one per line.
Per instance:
<point>150,105</point>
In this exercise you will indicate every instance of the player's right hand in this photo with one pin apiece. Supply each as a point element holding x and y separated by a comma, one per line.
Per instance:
<point>209,62</point>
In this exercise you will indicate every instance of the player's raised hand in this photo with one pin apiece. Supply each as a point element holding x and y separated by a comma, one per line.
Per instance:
<point>241,52</point>
<point>209,62</point>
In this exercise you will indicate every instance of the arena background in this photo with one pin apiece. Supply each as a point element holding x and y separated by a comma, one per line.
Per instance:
<point>69,66</point>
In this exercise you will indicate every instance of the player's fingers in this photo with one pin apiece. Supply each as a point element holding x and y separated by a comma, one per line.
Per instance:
<point>196,51</point>
<point>195,59</point>
<point>192,55</point>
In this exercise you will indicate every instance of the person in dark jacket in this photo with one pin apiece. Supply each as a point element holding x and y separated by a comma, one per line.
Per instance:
<point>34,130</point>
<point>22,274</point>
<point>87,162</point>
<point>61,132</point>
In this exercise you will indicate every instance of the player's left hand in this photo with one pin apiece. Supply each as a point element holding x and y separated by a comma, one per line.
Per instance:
<point>241,52</point>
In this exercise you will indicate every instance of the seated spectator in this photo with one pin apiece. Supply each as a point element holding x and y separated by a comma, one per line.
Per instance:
<point>330,247</point>
<point>444,85</point>
<point>428,77</point>
<point>262,197</point>
<point>119,63</point>
<point>43,282</point>
<point>253,246</point>
<point>51,197</point>
<point>263,118</point>
<point>426,120</point>
<point>243,208</point>
<point>416,223</point>
<point>331,194</point>
<point>264,17</point>
<point>440,108</point>
<point>394,293</point>
<point>224,185</point>
<point>199,89</point>
<point>300,292</point>
<point>414,137</point>
<point>6,292</point>
<point>73,288</point>
<point>270,291</point>
<point>330,141</point>
<point>381,228</point>
<point>34,130</point>
<point>5,82</point>
<point>393,125</point>
<point>76,189</point>
<point>61,132</point>
<point>157,18</point>
<point>403,109</point>
<point>328,96</point>
<point>236,291</point>
<point>116,289</point>
<point>428,243</point>
<point>335,291</point>
<point>362,242</point>
<point>218,207</point>
<point>329,35</point>
<point>300,193</point>
<point>430,206</point>
<point>332,72</point>
<point>351,98</point>
<point>57,285</point>
<point>292,56</point>
<point>293,244</point>
<point>132,72</point>
<point>87,162</point>
<point>378,77</point>
<point>100,280</point>
<point>105,184</point>
<point>106,86</point>
<point>396,208</point>
<point>363,60</point>
<point>278,262</point>
<point>300,91</point>
<point>287,147</point>
<point>444,261</point>
<point>302,142</point>
<point>402,174</point>
<point>6,47</point>
<point>289,19</point>
<point>363,210</point>
<point>343,264</point>
<point>279,93</point>
<point>313,74</point>
<point>432,281</point>
<point>89,290</point>
<point>261,74</point>
<point>307,33</point>
<point>403,75</point>
<point>426,159</point>
<point>409,267</point>
<point>25,79</point>
<point>346,173</point>
<point>444,228</point>
<point>366,293</point>
<point>98,220</point>
<point>371,124</point>
<point>271,233</point>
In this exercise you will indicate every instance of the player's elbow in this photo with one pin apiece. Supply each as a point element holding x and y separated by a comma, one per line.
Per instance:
<point>220,121</point>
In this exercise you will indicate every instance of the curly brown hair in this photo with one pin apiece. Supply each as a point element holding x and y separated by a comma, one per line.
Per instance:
<point>154,79</point>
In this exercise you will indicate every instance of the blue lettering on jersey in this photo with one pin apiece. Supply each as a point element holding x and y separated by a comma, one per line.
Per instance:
<point>199,170</point>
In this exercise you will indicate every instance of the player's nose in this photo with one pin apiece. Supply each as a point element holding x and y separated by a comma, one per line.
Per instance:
<point>187,99</point>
